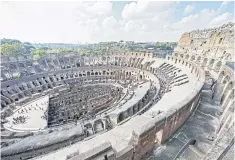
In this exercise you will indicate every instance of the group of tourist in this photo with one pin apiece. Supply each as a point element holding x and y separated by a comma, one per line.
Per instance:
<point>20,119</point>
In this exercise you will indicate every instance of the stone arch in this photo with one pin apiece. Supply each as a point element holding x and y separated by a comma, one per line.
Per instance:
<point>190,65</point>
<point>89,129</point>
<point>176,60</point>
<point>84,73</point>
<point>191,42</point>
<point>135,109</point>
<point>88,125</point>
<point>98,126</point>
<point>220,40</point>
<point>122,116</point>
<point>130,111</point>
<point>187,56</point>
<point>182,56</point>
<point>51,79</point>
<point>218,66</point>
<point>198,59</point>
<point>228,56</point>
<point>176,54</point>
<point>228,98</point>
<point>192,69</point>
<point>221,75</point>
<point>21,65</point>
<point>226,91</point>
<point>226,79</point>
<point>186,64</point>
<point>192,58</point>
<point>211,63</point>
<point>204,62</point>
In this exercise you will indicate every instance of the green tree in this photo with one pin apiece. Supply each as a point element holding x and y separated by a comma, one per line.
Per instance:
<point>37,53</point>
<point>11,49</point>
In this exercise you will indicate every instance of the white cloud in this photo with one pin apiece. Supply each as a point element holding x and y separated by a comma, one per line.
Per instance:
<point>206,18</point>
<point>225,3</point>
<point>144,9</point>
<point>73,22</point>
<point>188,9</point>
<point>109,22</point>
<point>223,6</point>
<point>52,22</point>
<point>221,19</point>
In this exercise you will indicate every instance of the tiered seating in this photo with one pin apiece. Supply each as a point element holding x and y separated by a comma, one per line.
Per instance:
<point>173,75</point>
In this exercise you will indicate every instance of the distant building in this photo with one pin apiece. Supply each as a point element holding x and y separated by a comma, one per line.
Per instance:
<point>129,42</point>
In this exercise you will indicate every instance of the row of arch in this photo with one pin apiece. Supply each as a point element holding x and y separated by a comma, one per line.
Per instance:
<point>16,92</point>
<point>204,62</point>
<point>191,65</point>
<point>133,109</point>
<point>226,82</point>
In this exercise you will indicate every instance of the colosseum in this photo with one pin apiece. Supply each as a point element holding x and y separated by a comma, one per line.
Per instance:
<point>123,106</point>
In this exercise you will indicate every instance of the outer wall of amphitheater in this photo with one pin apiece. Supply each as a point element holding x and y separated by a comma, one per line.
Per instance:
<point>157,131</point>
<point>162,127</point>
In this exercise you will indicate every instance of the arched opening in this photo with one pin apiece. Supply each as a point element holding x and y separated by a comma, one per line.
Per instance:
<point>135,109</point>
<point>98,126</point>
<point>226,79</point>
<point>204,62</point>
<point>226,91</point>
<point>191,42</point>
<point>159,134</point>
<point>130,112</point>
<point>229,98</point>
<point>192,58</point>
<point>192,142</point>
<point>187,56</point>
<point>121,116</point>
<point>211,63</point>
<point>218,66</point>
<point>220,40</point>
<point>221,75</point>
<point>198,59</point>
<point>228,56</point>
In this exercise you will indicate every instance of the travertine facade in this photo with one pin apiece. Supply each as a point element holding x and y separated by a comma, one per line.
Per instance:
<point>217,42</point>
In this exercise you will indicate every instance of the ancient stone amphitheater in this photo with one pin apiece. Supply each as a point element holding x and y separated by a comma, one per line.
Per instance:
<point>122,106</point>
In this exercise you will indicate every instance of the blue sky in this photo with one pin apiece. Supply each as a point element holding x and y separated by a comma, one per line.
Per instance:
<point>73,22</point>
<point>199,5</point>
